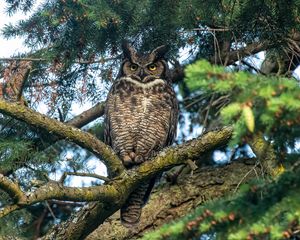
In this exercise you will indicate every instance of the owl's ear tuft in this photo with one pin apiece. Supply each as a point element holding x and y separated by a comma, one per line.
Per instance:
<point>160,51</point>
<point>128,51</point>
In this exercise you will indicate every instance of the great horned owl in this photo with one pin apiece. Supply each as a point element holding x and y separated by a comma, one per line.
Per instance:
<point>141,117</point>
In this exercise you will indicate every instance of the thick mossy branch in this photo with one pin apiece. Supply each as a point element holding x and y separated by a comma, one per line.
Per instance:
<point>83,139</point>
<point>78,121</point>
<point>55,190</point>
<point>190,150</point>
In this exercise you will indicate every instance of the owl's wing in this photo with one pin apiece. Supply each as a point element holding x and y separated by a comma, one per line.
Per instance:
<point>171,135</point>
<point>107,125</point>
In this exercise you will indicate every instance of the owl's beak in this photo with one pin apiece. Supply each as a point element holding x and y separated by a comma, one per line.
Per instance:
<point>142,74</point>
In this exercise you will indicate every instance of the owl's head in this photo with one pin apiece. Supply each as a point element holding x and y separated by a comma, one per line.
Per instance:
<point>146,67</point>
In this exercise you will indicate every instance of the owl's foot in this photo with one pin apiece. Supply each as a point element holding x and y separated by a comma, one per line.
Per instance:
<point>132,155</point>
<point>129,160</point>
<point>132,159</point>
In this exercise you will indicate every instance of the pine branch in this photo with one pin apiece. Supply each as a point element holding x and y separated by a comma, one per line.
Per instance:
<point>23,59</point>
<point>78,121</point>
<point>29,59</point>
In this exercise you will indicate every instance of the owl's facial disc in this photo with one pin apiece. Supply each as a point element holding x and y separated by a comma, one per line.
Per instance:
<point>144,70</point>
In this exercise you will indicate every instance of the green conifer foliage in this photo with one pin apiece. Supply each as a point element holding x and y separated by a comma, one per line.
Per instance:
<point>257,103</point>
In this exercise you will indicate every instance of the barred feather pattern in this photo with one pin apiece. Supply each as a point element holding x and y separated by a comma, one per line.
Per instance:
<point>141,119</point>
<point>132,209</point>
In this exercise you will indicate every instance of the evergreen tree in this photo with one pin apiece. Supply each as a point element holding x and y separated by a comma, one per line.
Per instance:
<point>249,114</point>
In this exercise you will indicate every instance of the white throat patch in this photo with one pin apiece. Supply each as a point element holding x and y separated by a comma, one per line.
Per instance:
<point>143,85</point>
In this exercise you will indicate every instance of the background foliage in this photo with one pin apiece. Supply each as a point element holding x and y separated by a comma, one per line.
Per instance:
<point>75,52</point>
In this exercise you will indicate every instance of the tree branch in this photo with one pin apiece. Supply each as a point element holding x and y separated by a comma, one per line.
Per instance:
<point>23,59</point>
<point>227,57</point>
<point>55,190</point>
<point>8,209</point>
<point>88,115</point>
<point>236,55</point>
<point>11,188</point>
<point>265,154</point>
<point>83,139</point>
<point>28,59</point>
<point>93,175</point>
<point>78,121</point>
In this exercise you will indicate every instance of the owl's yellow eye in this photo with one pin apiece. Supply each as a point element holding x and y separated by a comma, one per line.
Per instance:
<point>152,67</point>
<point>133,67</point>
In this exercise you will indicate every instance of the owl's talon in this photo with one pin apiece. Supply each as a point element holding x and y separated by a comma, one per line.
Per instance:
<point>127,161</point>
<point>138,159</point>
<point>132,156</point>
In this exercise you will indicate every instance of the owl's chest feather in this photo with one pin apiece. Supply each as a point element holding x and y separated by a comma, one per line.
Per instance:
<point>141,116</point>
<point>137,109</point>
<point>145,102</point>
<point>141,97</point>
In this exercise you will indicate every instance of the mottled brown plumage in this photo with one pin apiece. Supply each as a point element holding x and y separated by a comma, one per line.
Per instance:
<point>141,118</point>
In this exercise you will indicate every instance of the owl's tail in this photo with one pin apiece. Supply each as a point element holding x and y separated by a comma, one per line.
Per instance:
<point>132,209</point>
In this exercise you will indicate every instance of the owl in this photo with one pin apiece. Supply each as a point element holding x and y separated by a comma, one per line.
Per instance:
<point>141,118</point>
